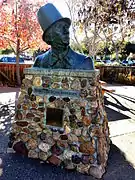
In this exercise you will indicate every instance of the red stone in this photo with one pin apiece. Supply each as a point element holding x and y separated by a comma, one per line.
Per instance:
<point>18,106</point>
<point>63,144</point>
<point>34,105</point>
<point>22,123</point>
<point>64,137</point>
<point>87,148</point>
<point>20,148</point>
<point>19,115</point>
<point>86,120</point>
<point>54,160</point>
<point>83,111</point>
<point>26,130</point>
<point>29,115</point>
<point>33,109</point>
<point>56,150</point>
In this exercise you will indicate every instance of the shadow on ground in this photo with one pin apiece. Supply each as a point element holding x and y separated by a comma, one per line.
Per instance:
<point>6,116</point>
<point>21,168</point>
<point>116,115</point>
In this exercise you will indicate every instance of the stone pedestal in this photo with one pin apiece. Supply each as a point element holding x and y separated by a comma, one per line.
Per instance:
<point>60,118</point>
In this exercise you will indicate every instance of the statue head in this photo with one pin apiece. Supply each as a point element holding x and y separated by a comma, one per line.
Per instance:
<point>58,34</point>
<point>55,27</point>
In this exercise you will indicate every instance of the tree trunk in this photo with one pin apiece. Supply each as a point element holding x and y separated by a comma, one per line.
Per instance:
<point>117,54</point>
<point>17,64</point>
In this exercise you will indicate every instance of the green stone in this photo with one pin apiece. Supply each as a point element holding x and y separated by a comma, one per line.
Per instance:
<point>29,91</point>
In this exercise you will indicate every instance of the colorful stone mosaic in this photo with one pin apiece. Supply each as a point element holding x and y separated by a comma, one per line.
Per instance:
<point>60,118</point>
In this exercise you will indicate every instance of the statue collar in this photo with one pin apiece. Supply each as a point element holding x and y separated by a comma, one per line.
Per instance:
<point>62,58</point>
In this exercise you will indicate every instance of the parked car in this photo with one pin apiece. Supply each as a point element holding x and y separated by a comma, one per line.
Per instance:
<point>107,61</point>
<point>98,62</point>
<point>11,59</point>
<point>128,62</point>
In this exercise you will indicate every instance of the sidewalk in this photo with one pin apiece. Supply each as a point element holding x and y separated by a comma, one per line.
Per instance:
<point>121,164</point>
<point>121,112</point>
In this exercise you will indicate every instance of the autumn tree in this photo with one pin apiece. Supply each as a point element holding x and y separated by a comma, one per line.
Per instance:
<point>19,27</point>
<point>103,20</point>
<point>72,7</point>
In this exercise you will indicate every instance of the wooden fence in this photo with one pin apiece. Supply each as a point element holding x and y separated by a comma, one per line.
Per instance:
<point>119,74</point>
<point>8,73</point>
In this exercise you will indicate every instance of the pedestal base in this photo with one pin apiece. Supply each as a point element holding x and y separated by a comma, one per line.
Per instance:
<point>60,118</point>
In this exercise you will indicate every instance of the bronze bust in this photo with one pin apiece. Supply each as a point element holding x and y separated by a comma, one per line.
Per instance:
<point>56,33</point>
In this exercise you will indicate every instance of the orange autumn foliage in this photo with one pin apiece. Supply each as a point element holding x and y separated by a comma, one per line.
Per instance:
<point>19,26</point>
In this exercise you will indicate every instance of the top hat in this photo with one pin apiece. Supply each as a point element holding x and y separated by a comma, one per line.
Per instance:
<point>49,15</point>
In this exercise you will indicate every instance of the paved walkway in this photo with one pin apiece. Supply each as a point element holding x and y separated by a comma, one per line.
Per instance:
<point>120,108</point>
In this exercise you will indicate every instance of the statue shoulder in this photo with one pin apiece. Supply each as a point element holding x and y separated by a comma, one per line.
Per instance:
<point>77,54</point>
<point>42,58</point>
<point>82,61</point>
<point>90,62</point>
<point>89,58</point>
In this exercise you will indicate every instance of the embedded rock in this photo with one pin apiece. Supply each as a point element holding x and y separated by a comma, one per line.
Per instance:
<point>96,171</point>
<point>33,154</point>
<point>42,136</point>
<point>56,135</point>
<point>76,159</point>
<point>84,169</point>
<point>32,144</point>
<point>44,147</point>
<point>72,138</point>
<point>77,132</point>
<point>20,148</point>
<point>64,137</point>
<point>30,115</point>
<point>68,164</point>
<point>36,119</point>
<point>43,156</point>
<point>24,137</point>
<point>56,150</point>
<point>80,124</point>
<point>22,123</point>
<point>26,130</point>
<point>83,83</point>
<point>68,154</point>
<point>85,159</point>
<point>19,115</point>
<point>54,160</point>
<point>87,148</point>
<point>34,134</point>
<point>86,120</point>
<point>62,143</point>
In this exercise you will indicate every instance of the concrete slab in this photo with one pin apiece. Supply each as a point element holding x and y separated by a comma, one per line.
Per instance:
<point>121,127</point>
<point>8,95</point>
<point>126,143</point>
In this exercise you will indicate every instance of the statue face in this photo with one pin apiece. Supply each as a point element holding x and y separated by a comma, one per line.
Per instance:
<point>59,34</point>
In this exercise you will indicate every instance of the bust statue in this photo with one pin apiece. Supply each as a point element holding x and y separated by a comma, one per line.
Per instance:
<point>56,33</point>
